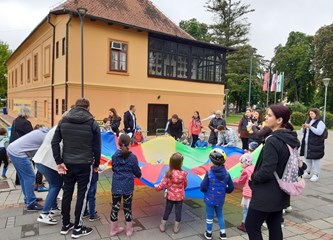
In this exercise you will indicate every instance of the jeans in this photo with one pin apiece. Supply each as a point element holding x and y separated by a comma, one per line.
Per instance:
<point>315,164</point>
<point>168,209</point>
<point>245,210</point>
<point>210,217</point>
<point>256,218</point>
<point>116,201</point>
<point>91,198</point>
<point>26,175</point>
<point>55,183</point>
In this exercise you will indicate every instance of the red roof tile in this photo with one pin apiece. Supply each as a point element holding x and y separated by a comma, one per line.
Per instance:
<point>137,13</point>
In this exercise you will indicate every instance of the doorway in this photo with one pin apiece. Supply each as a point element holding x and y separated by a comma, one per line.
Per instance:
<point>157,117</point>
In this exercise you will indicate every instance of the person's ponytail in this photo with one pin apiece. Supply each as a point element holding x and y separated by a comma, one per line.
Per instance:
<point>124,142</point>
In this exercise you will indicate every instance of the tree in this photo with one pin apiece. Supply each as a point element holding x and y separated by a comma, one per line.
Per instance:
<point>231,27</point>
<point>196,29</point>
<point>4,55</point>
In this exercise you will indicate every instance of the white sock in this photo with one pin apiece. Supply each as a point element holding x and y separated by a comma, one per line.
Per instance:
<point>222,231</point>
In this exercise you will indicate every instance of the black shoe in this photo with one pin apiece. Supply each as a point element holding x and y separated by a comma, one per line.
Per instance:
<point>83,231</point>
<point>34,207</point>
<point>223,236</point>
<point>66,229</point>
<point>208,235</point>
<point>39,199</point>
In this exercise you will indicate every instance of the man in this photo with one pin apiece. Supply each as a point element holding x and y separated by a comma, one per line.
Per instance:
<point>130,121</point>
<point>214,123</point>
<point>175,127</point>
<point>80,156</point>
<point>226,137</point>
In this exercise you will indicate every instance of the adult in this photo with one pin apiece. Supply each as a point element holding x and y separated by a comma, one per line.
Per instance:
<point>20,151</point>
<point>258,123</point>
<point>268,200</point>
<point>21,126</point>
<point>214,123</point>
<point>227,137</point>
<point>244,123</point>
<point>194,128</point>
<point>175,127</point>
<point>114,120</point>
<point>313,144</point>
<point>80,156</point>
<point>130,121</point>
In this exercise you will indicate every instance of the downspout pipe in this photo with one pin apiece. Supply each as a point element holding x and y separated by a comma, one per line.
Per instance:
<point>52,69</point>
<point>66,70</point>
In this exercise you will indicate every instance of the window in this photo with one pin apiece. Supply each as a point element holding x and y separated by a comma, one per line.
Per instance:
<point>63,106</point>
<point>35,105</point>
<point>28,71</point>
<point>9,80</point>
<point>45,109</point>
<point>21,73</point>
<point>182,61</point>
<point>16,77</point>
<point>57,106</point>
<point>63,50</point>
<point>35,66</point>
<point>57,49</point>
<point>47,55</point>
<point>118,55</point>
<point>12,79</point>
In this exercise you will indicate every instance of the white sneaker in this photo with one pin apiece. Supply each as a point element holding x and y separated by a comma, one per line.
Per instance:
<point>264,225</point>
<point>289,209</point>
<point>55,212</point>
<point>46,218</point>
<point>314,178</point>
<point>306,175</point>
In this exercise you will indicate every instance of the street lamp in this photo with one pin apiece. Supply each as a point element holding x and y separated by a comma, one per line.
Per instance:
<point>82,12</point>
<point>226,92</point>
<point>326,81</point>
<point>250,80</point>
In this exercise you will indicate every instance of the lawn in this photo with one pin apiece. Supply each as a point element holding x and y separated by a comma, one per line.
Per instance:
<point>234,118</point>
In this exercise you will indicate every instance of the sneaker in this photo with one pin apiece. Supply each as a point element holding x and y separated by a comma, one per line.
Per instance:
<point>223,236</point>
<point>289,209</point>
<point>83,231</point>
<point>34,207</point>
<point>39,199</point>
<point>94,218</point>
<point>66,229</point>
<point>306,175</point>
<point>85,215</point>
<point>314,178</point>
<point>282,225</point>
<point>208,235</point>
<point>3,177</point>
<point>55,212</point>
<point>42,188</point>
<point>47,219</point>
<point>264,225</point>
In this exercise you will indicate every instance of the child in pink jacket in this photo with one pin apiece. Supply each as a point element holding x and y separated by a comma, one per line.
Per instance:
<point>248,168</point>
<point>175,182</point>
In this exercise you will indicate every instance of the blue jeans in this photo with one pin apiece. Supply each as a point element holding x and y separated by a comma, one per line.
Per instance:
<point>245,210</point>
<point>27,178</point>
<point>210,217</point>
<point>55,183</point>
<point>92,194</point>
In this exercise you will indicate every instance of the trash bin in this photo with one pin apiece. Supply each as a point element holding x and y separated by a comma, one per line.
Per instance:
<point>4,111</point>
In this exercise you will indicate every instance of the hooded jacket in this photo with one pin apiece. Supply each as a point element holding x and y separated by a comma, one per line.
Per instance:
<point>175,185</point>
<point>81,139</point>
<point>244,180</point>
<point>214,123</point>
<point>266,193</point>
<point>215,185</point>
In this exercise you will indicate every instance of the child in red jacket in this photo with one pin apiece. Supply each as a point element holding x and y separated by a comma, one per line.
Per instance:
<point>175,182</point>
<point>248,168</point>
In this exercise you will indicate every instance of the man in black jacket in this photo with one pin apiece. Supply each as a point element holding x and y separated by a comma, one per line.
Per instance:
<point>80,156</point>
<point>130,120</point>
<point>175,127</point>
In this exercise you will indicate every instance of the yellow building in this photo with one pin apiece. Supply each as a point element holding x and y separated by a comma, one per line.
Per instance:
<point>133,54</point>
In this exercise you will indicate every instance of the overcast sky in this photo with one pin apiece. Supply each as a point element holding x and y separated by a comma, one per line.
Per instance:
<point>271,22</point>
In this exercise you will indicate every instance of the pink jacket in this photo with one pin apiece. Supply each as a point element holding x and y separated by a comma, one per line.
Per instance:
<point>244,180</point>
<point>175,185</point>
<point>194,127</point>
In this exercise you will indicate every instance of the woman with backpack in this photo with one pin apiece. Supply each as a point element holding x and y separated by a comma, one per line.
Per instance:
<point>268,200</point>
<point>313,143</point>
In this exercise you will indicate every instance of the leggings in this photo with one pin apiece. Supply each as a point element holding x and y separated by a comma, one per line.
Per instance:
<point>127,205</point>
<point>168,209</point>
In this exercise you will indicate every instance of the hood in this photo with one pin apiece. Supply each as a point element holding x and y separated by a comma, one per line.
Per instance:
<point>79,115</point>
<point>287,136</point>
<point>219,171</point>
<point>178,176</point>
<point>2,137</point>
<point>44,129</point>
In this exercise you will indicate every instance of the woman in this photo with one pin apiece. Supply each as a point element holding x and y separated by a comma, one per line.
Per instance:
<point>258,123</point>
<point>244,123</point>
<point>114,120</point>
<point>313,146</point>
<point>268,200</point>
<point>214,123</point>
<point>194,128</point>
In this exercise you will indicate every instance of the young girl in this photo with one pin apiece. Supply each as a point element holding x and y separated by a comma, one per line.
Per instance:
<point>194,128</point>
<point>124,166</point>
<point>248,168</point>
<point>175,181</point>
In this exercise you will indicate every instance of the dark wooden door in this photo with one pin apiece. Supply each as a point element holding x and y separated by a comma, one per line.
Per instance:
<point>157,117</point>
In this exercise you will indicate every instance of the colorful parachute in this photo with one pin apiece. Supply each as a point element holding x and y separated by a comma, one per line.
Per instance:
<point>154,158</point>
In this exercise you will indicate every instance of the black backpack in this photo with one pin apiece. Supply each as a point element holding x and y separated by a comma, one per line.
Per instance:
<point>325,134</point>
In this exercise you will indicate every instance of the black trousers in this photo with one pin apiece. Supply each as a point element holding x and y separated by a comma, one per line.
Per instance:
<point>256,218</point>
<point>168,209</point>
<point>80,174</point>
<point>194,140</point>
<point>127,205</point>
<point>245,143</point>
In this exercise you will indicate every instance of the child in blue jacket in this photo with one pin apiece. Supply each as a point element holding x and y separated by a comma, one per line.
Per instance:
<point>215,185</point>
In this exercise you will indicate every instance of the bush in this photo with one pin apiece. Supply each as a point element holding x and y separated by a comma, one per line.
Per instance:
<point>298,107</point>
<point>329,120</point>
<point>298,118</point>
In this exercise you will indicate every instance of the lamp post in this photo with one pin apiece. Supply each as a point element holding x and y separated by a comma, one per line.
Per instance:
<point>326,81</point>
<point>82,12</point>
<point>226,92</point>
<point>250,83</point>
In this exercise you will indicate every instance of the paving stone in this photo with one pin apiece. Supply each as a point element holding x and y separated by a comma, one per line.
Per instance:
<point>11,233</point>
<point>26,219</point>
<point>330,220</point>
<point>151,234</point>
<point>49,229</point>
<point>320,224</point>
<point>313,214</point>
<point>296,238</point>
<point>185,231</point>
<point>3,222</point>
<point>52,236</point>
<point>11,212</point>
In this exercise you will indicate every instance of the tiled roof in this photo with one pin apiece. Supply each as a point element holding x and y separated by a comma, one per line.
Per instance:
<point>137,13</point>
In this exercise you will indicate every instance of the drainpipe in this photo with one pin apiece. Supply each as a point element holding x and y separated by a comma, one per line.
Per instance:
<point>52,70</point>
<point>66,70</point>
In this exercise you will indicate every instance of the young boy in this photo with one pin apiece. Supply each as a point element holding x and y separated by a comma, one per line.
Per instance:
<point>106,125</point>
<point>215,185</point>
<point>226,137</point>
<point>4,141</point>
<point>138,137</point>
<point>201,143</point>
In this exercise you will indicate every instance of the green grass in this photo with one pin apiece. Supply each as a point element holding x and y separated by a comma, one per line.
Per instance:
<point>234,118</point>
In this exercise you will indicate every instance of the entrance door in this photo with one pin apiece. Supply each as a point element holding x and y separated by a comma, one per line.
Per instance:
<point>157,117</point>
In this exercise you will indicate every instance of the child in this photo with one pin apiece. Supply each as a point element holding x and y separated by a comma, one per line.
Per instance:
<point>124,166</point>
<point>215,185</point>
<point>106,126</point>
<point>226,137</point>
<point>201,143</point>
<point>4,141</point>
<point>138,137</point>
<point>175,181</point>
<point>248,168</point>
<point>253,146</point>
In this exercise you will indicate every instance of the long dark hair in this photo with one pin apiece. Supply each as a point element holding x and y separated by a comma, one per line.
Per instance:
<point>175,163</point>
<point>198,114</point>
<point>115,114</point>
<point>124,142</point>
<point>283,112</point>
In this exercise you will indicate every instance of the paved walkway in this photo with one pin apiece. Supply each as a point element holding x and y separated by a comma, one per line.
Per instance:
<point>311,218</point>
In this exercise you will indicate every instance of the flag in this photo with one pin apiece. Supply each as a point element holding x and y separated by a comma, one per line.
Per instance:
<point>266,82</point>
<point>273,86</point>
<point>279,83</point>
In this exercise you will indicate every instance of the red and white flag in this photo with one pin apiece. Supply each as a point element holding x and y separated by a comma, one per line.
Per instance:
<point>266,82</point>
<point>273,86</point>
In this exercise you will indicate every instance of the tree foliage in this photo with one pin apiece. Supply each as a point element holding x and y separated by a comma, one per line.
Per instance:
<point>196,29</point>
<point>4,55</point>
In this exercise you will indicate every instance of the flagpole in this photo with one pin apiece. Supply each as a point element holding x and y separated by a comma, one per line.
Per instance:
<point>268,84</point>
<point>282,85</point>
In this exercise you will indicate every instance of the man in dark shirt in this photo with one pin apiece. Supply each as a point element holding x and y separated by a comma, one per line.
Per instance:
<point>130,121</point>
